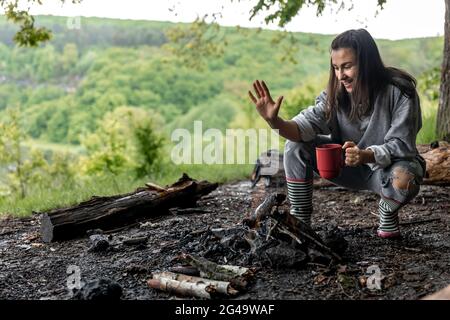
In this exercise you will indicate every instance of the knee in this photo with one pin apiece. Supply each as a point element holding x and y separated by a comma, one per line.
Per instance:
<point>293,149</point>
<point>298,160</point>
<point>404,184</point>
<point>403,179</point>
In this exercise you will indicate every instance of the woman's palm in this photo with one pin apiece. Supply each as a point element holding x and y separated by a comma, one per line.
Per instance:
<point>266,107</point>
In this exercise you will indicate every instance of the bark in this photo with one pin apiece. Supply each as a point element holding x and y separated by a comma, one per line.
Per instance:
<point>187,270</point>
<point>110,213</point>
<point>443,116</point>
<point>438,164</point>
<point>264,209</point>
<point>237,276</point>
<point>189,289</point>
<point>212,286</point>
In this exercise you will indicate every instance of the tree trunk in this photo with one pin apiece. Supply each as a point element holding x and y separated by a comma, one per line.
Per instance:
<point>108,213</point>
<point>443,116</point>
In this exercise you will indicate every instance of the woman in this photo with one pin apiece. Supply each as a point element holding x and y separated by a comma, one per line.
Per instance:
<point>374,111</point>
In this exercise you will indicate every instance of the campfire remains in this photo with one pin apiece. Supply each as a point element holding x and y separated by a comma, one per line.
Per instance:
<point>268,236</point>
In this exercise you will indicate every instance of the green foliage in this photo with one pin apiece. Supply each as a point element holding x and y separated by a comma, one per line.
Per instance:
<point>302,97</point>
<point>428,87</point>
<point>106,148</point>
<point>11,153</point>
<point>148,147</point>
<point>197,42</point>
<point>427,134</point>
<point>28,35</point>
<point>69,58</point>
<point>429,83</point>
<point>124,141</point>
<point>22,170</point>
<point>216,113</point>
<point>285,10</point>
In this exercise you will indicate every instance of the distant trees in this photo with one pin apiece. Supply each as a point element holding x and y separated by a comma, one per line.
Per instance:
<point>200,34</point>
<point>125,140</point>
<point>24,167</point>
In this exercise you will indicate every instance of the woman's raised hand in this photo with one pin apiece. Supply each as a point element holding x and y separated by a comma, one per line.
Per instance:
<point>267,108</point>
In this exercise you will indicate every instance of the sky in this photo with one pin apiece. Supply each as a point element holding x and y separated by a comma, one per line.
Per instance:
<point>400,18</point>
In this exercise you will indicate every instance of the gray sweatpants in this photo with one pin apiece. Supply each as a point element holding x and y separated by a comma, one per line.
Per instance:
<point>300,165</point>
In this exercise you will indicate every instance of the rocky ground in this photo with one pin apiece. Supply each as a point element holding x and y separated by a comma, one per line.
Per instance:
<point>409,268</point>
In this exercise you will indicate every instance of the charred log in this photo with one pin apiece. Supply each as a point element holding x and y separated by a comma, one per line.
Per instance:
<point>264,210</point>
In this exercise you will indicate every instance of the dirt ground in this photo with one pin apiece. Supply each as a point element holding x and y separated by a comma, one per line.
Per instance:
<point>409,268</point>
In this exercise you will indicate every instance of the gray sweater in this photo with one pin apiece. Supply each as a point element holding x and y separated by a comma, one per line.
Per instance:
<point>390,131</point>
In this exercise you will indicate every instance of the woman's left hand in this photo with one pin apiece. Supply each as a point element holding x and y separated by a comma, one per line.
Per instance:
<point>353,155</point>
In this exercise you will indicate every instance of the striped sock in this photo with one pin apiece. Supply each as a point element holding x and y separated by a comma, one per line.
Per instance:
<point>300,197</point>
<point>388,211</point>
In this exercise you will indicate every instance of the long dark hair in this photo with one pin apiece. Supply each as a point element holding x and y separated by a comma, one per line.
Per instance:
<point>371,79</point>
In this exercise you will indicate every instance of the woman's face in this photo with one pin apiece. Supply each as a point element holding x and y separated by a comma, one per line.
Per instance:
<point>343,61</point>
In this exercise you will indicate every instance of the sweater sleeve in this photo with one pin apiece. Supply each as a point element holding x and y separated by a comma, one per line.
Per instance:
<point>312,121</point>
<point>400,140</point>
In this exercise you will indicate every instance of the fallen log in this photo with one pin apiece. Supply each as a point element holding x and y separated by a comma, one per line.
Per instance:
<point>109,213</point>
<point>437,157</point>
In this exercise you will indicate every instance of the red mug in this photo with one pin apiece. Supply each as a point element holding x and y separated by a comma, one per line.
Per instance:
<point>330,160</point>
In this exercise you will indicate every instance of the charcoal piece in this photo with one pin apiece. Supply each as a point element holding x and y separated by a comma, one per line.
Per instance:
<point>99,243</point>
<point>284,256</point>
<point>99,289</point>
